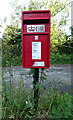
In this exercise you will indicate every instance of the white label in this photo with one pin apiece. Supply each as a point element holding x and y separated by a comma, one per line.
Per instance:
<point>35,28</point>
<point>36,37</point>
<point>38,64</point>
<point>36,50</point>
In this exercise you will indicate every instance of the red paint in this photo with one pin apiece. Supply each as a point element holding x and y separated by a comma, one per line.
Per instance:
<point>39,19</point>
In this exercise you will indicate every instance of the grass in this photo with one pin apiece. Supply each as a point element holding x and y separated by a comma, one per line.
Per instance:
<point>55,105</point>
<point>18,103</point>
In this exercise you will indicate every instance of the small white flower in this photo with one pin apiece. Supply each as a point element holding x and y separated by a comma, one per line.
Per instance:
<point>26,102</point>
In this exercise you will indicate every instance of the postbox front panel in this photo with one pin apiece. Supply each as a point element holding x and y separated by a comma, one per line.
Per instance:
<point>35,40</point>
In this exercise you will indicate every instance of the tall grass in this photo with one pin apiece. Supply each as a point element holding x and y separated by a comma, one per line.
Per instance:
<point>18,103</point>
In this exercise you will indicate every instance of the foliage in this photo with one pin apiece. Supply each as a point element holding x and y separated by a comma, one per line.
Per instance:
<point>57,38</point>
<point>71,30</point>
<point>16,14</point>
<point>37,5</point>
<point>11,44</point>
<point>18,103</point>
<point>61,58</point>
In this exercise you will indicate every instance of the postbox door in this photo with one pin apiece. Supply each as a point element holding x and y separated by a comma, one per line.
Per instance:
<point>43,45</point>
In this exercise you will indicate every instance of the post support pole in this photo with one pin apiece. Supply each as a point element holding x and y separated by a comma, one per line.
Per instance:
<point>36,89</point>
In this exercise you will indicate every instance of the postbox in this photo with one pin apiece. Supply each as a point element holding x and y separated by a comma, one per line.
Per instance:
<point>36,39</point>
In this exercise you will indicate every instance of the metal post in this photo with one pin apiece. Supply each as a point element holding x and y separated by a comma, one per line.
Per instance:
<point>36,89</point>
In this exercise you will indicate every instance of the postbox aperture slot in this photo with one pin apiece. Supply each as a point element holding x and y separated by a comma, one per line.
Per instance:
<point>43,21</point>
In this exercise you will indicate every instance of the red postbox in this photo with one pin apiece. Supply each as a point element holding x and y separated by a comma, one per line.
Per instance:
<point>36,39</point>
